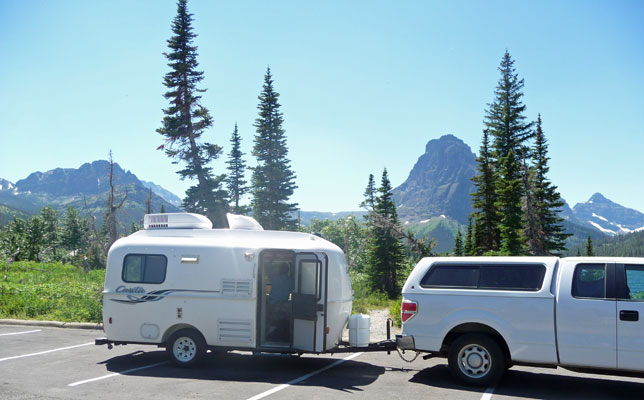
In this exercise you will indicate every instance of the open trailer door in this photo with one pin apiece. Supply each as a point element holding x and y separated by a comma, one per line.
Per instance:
<point>309,302</point>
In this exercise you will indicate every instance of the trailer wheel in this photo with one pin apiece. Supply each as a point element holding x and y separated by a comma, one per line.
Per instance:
<point>186,348</point>
<point>476,359</point>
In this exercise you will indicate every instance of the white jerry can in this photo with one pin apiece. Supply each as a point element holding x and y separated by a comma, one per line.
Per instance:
<point>359,325</point>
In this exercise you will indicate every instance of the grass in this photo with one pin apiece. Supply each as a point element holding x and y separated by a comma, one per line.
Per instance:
<point>50,291</point>
<point>63,292</point>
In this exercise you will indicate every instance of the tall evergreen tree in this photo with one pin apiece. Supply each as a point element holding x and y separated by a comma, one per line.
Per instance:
<point>458,244</point>
<point>369,194</point>
<point>485,215</point>
<point>386,252</point>
<point>546,201</point>
<point>509,193</point>
<point>237,168</point>
<point>590,252</point>
<point>273,181</point>
<point>186,120</point>
<point>52,232</point>
<point>505,117</point>
<point>468,247</point>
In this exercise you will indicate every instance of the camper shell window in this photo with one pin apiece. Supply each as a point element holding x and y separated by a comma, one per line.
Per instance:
<point>522,277</point>
<point>144,268</point>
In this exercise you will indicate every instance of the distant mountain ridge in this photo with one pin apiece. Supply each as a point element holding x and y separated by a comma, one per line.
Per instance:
<point>607,216</point>
<point>85,188</point>
<point>163,192</point>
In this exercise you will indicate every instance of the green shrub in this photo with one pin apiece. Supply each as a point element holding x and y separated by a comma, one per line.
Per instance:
<point>394,312</point>
<point>50,291</point>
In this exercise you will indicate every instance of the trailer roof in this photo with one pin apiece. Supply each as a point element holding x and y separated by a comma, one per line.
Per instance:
<point>231,238</point>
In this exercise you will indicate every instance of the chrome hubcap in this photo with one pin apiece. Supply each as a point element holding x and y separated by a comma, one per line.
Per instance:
<point>474,361</point>
<point>184,349</point>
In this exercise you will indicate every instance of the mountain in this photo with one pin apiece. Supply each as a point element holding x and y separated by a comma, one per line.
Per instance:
<point>307,216</point>
<point>608,216</point>
<point>6,185</point>
<point>439,183</point>
<point>85,188</point>
<point>163,193</point>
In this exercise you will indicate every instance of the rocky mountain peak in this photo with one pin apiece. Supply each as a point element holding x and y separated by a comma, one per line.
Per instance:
<point>439,183</point>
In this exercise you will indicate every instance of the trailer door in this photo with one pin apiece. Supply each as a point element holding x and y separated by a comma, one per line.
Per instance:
<point>309,302</point>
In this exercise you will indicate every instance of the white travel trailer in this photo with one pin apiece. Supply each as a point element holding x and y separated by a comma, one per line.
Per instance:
<point>184,286</point>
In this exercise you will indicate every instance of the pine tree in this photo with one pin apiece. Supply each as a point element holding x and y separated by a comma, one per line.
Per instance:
<point>186,120</point>
<point>504,117</point>
<point>148,202</point>
<point>505,121</point>
<point>485,215</point>
<point>273,181</point>
<point>589,247</point>
<point>235,180</point>
<point>468,248</point>
<point>52,232</point>
<point>385,252</point>
<point>162,210</point>
<point>369,194</point>
<point>508,203</point>
<point>458,244</point>
<point>547,203</point>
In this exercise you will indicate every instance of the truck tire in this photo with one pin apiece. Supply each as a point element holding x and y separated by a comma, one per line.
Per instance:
<point>476,359</point>
<point>186,348</point>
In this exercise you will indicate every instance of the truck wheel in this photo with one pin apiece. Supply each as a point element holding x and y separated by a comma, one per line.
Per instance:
<point>186,348</point>
<point>476,359</point>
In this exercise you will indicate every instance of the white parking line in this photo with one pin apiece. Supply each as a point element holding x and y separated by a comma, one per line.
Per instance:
<point>487,395</point>
<point>44,352</point>
<point>116,374</point>
<point>20,333</point>
<point>303,377</point>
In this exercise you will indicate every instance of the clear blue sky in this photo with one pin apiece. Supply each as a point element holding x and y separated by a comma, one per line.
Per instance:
<point>364,85</point>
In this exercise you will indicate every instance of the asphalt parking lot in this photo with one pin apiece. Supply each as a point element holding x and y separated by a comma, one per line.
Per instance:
<point>54,363</point>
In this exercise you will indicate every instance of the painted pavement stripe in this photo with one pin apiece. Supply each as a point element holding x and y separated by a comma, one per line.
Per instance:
<point>44,352</point>
<point>20,333</point>
<point>116,374</point>
<point>303,377</point>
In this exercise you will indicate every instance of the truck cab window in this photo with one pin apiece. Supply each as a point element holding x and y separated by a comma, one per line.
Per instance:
<point>635,281</point>
<point>144,268</point>
<point>589,281</point>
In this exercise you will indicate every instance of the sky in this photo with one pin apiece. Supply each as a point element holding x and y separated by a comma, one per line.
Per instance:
<point>364,85</point>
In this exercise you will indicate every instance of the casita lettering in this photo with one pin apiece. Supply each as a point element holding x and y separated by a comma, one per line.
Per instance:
<point>136,289</point>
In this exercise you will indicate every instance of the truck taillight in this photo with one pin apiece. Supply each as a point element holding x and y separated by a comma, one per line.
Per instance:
<point>408,309</point>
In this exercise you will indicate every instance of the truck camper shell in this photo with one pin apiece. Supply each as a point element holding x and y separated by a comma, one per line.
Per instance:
<point>183,285</point>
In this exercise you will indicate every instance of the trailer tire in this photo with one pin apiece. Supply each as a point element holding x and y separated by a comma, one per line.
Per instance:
<point>476,359</point>
<point>186,348</point>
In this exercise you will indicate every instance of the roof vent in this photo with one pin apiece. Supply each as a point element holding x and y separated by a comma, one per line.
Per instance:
<point>176,221</point>
<point>243,222</point>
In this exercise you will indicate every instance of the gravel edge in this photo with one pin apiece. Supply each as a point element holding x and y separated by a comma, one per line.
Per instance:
<point>52,324</point>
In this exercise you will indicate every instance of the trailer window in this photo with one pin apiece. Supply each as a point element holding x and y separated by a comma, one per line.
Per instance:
<point>144,268</point>
<point>589,281</point>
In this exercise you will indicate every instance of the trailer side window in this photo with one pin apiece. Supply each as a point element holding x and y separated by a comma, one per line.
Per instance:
<point>144,268</point>
<point>589,281</point>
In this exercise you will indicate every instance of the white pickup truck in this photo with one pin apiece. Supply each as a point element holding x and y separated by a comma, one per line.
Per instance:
<point>486,314</point>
